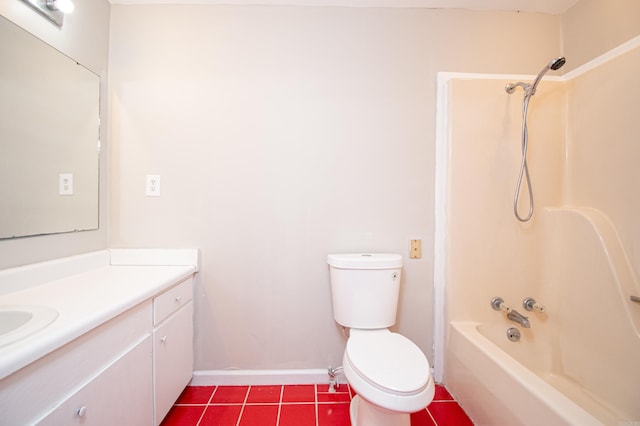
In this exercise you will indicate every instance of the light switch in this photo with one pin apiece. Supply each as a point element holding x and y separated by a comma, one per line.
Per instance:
<point>153,186</point>
<point>65,184</point>
<point>415,252</point>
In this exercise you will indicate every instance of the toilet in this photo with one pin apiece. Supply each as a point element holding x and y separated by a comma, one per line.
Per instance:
<point>388,372</point>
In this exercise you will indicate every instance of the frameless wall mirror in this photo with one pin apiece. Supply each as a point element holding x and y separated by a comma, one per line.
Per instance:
<point>49,138</point>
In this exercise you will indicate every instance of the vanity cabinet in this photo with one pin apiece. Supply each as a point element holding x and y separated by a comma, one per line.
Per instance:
<point>172,346</point>
<point>89,372</point>
<point>128,370</point>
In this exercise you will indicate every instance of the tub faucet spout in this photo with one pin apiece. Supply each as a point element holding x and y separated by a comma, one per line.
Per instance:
<point>516,316</point>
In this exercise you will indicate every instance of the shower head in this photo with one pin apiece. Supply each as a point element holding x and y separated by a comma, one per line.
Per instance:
<point>555,64</point>
<point>530,89</point>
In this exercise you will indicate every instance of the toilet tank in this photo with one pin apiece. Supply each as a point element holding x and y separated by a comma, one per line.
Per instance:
<point>365,289</point>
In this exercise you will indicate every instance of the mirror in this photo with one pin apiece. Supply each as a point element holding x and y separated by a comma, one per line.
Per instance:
<point>49,138</point>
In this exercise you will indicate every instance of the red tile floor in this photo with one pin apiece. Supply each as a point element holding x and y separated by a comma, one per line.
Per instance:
<point>290,405</point>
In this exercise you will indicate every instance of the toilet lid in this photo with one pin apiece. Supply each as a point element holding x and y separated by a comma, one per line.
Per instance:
<point>388,360</point>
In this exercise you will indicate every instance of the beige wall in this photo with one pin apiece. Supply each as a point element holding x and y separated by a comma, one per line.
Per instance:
<point>603,148</point>
<point>602,114</point>
<point>84,37</point>
<point>283,134</point>
<point>583,159</point>
<point>489,252</point>
<point>593,27</point>
<point>583,151</point>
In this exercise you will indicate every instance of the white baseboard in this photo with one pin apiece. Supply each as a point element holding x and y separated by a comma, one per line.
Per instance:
<point>261,377</point>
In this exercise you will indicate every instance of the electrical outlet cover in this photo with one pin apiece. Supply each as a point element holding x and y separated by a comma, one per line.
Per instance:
<point>153,185</point>
<point>65,184</point>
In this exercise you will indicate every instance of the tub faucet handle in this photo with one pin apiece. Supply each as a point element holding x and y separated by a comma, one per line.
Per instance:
<point>530,304</point>
<point>498,304</point>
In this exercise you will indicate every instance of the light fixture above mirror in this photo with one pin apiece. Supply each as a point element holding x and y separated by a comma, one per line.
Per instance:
<point>53,10</point>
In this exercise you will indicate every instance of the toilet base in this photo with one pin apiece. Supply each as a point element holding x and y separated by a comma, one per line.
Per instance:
<point>363,413</point>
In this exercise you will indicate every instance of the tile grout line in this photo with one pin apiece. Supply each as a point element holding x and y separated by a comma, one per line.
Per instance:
<point>431,416</point>
<point>244,402</point>
<point>315,403</point>
<point>280,405</point>
<point>206,406</point>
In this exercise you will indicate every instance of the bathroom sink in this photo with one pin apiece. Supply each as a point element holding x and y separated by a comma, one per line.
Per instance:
<point>20,321</point>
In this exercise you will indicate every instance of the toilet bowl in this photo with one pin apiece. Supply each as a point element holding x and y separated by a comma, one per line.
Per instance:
<point>389,373</point>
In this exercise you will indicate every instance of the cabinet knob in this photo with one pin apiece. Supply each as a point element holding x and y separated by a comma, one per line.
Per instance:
<point>163,339</point>
<point>178,299</point>
<point>80,412</point>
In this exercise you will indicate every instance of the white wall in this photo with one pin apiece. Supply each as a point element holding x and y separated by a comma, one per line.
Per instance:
<point>84,37</point>
<point>283,134</point>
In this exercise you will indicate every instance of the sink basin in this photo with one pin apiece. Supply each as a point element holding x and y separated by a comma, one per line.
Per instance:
<point>20,321</point>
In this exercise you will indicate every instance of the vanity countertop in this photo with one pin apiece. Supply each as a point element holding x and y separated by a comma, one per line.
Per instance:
<point>84,301</point>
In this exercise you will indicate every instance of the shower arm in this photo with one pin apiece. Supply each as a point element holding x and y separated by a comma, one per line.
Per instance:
<point>530,89</point>
<point>511,87</point>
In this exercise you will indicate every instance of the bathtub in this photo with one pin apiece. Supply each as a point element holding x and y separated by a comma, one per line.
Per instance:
<point>579,363</point>
<point>495,389</point>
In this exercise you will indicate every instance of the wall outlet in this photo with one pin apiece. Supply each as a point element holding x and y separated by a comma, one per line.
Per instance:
<point>65,184</point>
<point>153,186</point>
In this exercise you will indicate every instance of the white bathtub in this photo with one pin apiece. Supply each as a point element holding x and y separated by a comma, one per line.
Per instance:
<point>579,363</point>
<point>495,389</point>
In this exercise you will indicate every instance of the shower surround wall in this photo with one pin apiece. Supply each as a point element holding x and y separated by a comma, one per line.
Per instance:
<point>487,243</point>
<point>578,256</point>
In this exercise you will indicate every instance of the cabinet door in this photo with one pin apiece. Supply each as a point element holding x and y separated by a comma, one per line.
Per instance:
<point>120,395</point>
<point>173,359</point>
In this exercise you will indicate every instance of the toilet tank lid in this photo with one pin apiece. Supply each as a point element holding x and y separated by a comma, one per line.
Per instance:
<point>365,261</point>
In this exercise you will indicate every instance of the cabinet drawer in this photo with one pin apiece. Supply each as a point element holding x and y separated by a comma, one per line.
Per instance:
<point>171,300</point>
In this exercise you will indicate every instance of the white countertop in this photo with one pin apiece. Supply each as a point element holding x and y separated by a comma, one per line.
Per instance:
<point>84,301</point>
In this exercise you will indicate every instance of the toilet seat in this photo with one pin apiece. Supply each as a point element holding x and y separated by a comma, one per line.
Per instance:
<point>388,361</point>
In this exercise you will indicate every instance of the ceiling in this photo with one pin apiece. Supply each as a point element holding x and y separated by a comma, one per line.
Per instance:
<point>554,7</point>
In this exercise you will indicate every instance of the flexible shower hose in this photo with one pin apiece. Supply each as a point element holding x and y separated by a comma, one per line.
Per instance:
<point>524,169</point>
